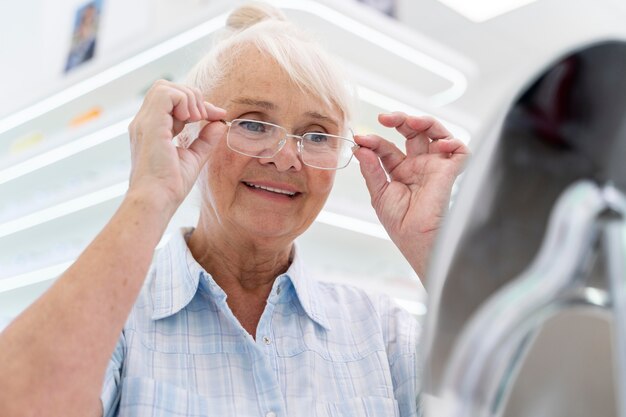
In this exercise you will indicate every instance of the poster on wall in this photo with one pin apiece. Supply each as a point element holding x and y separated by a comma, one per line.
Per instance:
<point>84,34</point>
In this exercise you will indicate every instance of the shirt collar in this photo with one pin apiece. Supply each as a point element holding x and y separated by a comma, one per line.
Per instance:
<point>177,276</point>
<point>308,290</point>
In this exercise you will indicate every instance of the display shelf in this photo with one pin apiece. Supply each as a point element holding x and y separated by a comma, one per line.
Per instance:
<point>402,63</point>
<point>13,302</point>
<point>105,164</point>
<point>61,138</point>
<point>86,178</point>
<point>108,162</point>
<point>70,167</point>
<point>45,252</point>
<point>113,85</point>
<point>347,257</point>
<point>319,247</point>
<point>54,241</point>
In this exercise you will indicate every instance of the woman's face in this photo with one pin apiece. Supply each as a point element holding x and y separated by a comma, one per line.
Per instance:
<point>257,88</point>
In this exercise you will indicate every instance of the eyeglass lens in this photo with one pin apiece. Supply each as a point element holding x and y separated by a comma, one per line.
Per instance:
<point>264,140</point>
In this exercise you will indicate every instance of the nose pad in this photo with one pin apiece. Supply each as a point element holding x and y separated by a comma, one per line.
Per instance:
<point>281,145</point>
<point>288,150</point>
<point>285,157</point>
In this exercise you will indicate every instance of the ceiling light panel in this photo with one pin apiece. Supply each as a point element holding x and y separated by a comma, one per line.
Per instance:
<point>440,82</point>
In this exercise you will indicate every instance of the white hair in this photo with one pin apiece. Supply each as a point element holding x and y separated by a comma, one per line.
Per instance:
<point>300,56</point>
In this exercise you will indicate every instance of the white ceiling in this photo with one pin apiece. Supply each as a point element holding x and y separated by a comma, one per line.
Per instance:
<point>509,49</point>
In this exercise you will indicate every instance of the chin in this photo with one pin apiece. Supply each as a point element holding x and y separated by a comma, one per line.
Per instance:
<point>272,227</point>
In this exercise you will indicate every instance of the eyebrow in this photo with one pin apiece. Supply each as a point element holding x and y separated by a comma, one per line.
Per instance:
<point>316,115</point>
<point>267,105</point>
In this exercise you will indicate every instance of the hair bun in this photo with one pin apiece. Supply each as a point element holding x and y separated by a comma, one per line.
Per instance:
<point>252,13</point>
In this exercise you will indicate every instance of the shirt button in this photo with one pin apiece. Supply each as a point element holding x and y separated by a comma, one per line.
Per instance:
<point>268,341</point>
<point>270,414</point>
<point>278,290</point>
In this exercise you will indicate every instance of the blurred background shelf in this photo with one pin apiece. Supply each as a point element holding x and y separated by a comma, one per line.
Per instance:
<point>64,156</point>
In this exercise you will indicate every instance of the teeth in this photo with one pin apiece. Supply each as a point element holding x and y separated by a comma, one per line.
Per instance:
<point>274,190</point>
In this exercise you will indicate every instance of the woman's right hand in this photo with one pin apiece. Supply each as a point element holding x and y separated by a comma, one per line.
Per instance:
<point>55,357</point>
<point>160,169</point>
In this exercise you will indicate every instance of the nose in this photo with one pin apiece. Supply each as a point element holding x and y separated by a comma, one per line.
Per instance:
<point>287,157</point>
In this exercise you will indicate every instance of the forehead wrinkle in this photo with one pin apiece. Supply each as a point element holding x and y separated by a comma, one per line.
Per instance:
<point>267,105</point>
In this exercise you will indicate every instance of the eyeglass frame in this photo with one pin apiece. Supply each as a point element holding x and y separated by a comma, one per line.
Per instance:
<point>300,138</point>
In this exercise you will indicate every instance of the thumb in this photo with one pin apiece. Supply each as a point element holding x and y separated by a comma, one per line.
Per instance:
<point>449,146</point>
<point>372,171</point>
<point>210,134</point>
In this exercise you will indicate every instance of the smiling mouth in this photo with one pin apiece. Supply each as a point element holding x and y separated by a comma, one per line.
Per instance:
<point>271,189</point>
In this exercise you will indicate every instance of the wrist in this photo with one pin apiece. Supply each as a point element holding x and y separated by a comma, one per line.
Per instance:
<point>152,200</point>
<point>417,251</point>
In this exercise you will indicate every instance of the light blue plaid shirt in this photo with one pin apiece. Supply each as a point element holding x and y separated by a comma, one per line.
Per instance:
<point>321,349</point>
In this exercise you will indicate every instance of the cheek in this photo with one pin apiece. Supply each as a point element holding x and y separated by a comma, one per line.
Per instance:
<point>225,168</point>
<point>221,168</point>
<point>322,183</point>
<point>222,160</point>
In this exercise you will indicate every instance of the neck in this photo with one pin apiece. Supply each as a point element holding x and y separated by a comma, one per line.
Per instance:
<point>237,263</point>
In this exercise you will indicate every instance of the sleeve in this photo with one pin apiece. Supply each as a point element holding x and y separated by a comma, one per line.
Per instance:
<point>402,333</point>
<point>110,395</point>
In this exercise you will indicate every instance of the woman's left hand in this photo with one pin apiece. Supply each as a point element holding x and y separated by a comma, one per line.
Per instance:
<point>411,192</point>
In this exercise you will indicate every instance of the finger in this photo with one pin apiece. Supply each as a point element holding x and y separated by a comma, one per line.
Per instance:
<point>372,171</point>
<point>415,143</point>
<point>177,127</point>
<point>200,102</point>
<point>179,104</point>
<point>451,146</point>
<point>388,153</point>
<point>194,129</point>
<point>164,99</point>
<point>214,113</point>
<point>207,138</point>
<point>418,130</point>
<point>433,128</point>
<point>411,126</point>
<point>168,95</point>
<point>395,120</point>
<point>195,114</point>
<point>192,103</point>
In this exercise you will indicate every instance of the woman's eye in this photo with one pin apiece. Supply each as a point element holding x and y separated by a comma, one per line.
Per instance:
<point>317,137</point>
<point>253,126</point>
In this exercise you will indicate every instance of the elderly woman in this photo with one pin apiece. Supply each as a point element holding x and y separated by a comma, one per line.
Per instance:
<point>229,323</point>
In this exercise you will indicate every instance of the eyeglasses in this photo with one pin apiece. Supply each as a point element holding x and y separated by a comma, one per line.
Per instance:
<point>264,140</point>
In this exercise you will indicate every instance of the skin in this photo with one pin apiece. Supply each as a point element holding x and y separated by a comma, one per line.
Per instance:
<point>62,343</point>
<point>244,236</point>
<point>411,204</point>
